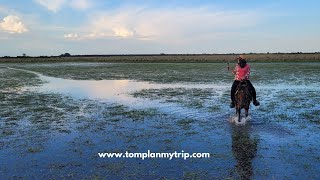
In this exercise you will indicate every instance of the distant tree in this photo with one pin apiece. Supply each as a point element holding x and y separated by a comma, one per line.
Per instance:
<point>24,55</point>
<point>65,55</point>
<point>162,54</point>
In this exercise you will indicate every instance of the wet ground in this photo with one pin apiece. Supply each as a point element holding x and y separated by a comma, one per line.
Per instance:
<point>56,118</point>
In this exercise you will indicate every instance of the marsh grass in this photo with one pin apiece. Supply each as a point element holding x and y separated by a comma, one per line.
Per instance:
<point>312,116</point>
<point>32,123</point>
<point>189,97</point>
<point>162,72</point>
<point>186,124</point>
<point>13,80</point>
<point>122,111</point>
<point>214,108</point>
<point>195,174</point>
<point>35,149</point>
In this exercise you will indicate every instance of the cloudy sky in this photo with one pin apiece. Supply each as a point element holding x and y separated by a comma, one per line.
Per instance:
<point>53,27</point>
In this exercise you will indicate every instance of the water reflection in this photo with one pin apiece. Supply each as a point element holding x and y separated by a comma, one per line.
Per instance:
<point>244,149</point>
<point>107,89</point>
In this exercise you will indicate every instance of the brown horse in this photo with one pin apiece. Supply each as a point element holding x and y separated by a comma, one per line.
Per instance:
<point>243,99</point>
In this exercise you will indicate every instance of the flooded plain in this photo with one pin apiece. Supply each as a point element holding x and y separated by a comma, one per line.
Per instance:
<point>56,117</point>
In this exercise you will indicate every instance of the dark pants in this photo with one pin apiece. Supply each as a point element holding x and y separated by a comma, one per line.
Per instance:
<point>250,87</point>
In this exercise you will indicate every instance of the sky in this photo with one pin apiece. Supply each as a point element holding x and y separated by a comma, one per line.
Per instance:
<point>54,27</point>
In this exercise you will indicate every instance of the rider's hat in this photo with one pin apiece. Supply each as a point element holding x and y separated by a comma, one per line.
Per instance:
<point>242,57</point>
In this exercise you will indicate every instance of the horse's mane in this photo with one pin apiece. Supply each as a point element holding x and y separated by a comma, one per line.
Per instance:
<point>243,86</point>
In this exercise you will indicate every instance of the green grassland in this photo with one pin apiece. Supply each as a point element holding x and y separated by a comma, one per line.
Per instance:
<point>183,58</point>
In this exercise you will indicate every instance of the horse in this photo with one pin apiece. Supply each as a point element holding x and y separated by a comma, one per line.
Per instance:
<point>243,99</point>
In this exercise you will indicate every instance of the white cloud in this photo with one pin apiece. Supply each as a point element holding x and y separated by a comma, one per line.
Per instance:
<point>122,32</point>
<point>166,25</point>
<point>12,24</point>
<point>56,5</point>
<point>71,36</point>
<point>80,4</point>
<point>52,5</point>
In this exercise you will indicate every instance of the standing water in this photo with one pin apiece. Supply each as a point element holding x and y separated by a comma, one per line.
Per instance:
<point>58,124</point>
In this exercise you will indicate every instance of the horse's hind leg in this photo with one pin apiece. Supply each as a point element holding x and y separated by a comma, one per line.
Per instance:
<point>239,113</point>
<point>246,112</point>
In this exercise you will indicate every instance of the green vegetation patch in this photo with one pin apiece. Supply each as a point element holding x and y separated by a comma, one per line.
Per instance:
<point>125,112</point>
<point>189,97</point>
<point>13,79</point>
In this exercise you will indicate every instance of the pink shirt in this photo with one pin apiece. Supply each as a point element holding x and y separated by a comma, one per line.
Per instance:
<point>242,73</point>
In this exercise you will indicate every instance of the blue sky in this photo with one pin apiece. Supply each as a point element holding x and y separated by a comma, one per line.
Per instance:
<point>53,27</point>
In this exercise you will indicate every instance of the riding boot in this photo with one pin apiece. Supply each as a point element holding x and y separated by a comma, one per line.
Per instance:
<point>254,97</point>
<point>253,94</point>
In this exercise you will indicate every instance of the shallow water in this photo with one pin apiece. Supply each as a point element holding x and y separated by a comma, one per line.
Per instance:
<point>118,91</point>
<point>278,140</point>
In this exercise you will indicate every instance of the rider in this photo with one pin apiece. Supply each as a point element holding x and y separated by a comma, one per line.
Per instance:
<point>242,72</point>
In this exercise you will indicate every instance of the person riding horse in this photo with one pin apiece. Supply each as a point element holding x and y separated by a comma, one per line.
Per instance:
<point>242,73</point>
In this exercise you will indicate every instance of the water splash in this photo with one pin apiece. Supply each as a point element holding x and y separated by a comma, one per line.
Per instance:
<point>243,121</point>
